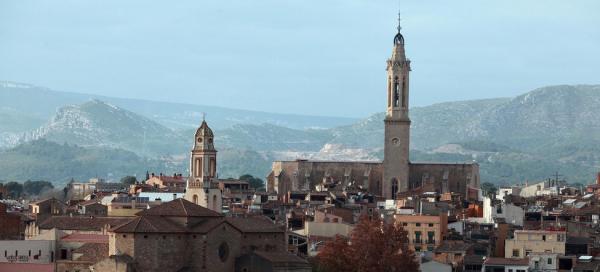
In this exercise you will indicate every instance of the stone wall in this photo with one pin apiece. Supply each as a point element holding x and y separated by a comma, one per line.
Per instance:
<point>304,175</point>
<point>445,177</point>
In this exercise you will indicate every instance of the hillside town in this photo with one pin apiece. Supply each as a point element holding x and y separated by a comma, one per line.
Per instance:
<point>196,221</point>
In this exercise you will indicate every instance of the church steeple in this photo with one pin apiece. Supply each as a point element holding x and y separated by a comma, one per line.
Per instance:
<point>201,188</point>
<point>398,68</point>
<point>397,121</point>
<point>203,164</point>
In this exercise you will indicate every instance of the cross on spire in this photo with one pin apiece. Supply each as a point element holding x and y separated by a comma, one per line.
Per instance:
<point>203,116</point>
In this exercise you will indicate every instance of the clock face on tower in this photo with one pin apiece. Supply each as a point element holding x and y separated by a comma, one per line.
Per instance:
<point>199,140</point>
<point>395,141</point>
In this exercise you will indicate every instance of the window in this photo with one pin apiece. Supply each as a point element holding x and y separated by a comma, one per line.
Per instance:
<point>515,253</point>
<point>223,251</point>
<point>527,252</point>
<point>430,224</point>
<point>405,224</point>
<point>544,237</point>
<point>510,270</point>
<point>30,253</point>
<point>394,188</point>
<point>549,261</point>
<point>418,224</point>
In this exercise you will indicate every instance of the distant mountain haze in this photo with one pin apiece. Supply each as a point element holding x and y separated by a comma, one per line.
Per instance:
<point>528,137</point>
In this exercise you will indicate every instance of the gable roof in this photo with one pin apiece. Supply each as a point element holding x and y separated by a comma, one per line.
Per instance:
<point>81,223</point>
<point>179,208</point>
<point>254,224</point>
<point>149,224</point>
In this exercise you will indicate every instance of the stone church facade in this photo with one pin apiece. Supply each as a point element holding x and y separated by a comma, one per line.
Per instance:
<point>395,175</point>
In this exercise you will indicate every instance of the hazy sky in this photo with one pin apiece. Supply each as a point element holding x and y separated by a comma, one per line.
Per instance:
<point>306,57</point>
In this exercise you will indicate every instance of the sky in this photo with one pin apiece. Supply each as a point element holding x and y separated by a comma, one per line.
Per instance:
<point>298,56</point>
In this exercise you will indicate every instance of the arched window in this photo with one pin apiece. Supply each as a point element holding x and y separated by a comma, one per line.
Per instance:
<point>396,93</point>
<point>389,91</point>
<point>404,93</point>
<point>394,188</point>
<point>214,203</point>
<point>195,199</point>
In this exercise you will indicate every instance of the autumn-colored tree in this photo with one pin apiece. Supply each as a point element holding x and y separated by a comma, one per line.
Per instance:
<point>373,246</point>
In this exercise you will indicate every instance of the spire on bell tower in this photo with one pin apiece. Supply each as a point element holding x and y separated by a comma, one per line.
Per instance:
<point>399,26</point>
<point>398,68</point>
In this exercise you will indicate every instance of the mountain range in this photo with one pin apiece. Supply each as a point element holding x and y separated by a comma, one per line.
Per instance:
<point>528,137</point>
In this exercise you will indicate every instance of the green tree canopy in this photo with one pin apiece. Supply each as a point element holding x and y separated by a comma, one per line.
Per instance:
<point>14,189</point>
<point>488,188</point>
<point>36,187</point>
<point>254,182</point>
<point>128,180</point>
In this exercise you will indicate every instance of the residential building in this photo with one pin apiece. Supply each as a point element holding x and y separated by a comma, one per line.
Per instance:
<point>425,232</point>
<point>494,264</point>
<point>526,242</point>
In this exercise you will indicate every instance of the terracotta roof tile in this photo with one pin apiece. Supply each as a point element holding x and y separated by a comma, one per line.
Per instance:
<point>254,224</point>
<point>278,257</point>
<point>85,238</point>
<point>81,223</point>
<point>149,224</point>
<point>92,252</point>
<point>180,207</point>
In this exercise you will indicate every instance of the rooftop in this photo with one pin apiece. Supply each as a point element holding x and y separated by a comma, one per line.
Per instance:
<point>506,261</point>
<point>180,208</point>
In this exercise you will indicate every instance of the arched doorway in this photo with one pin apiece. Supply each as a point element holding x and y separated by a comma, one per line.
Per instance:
<point>195,199</point>
<point>394,188</point>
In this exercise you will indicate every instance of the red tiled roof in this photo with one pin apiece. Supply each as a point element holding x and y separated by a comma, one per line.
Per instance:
<point>81,223</point>
<point>149,224</point>
<point>180,208</point>
<point>281,257</point>
<point>254,224</point>
<point>85,238</point>
<point>92,252</point>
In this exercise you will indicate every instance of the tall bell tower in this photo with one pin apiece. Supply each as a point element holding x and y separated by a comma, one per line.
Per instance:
<point>397,122</point>
<point>201,187</point>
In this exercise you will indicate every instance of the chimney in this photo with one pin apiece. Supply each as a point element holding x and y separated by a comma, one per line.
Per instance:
<point>598,178</point>
<point>174,196</point>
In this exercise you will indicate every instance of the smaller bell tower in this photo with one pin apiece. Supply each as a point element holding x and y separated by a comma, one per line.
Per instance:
<point>201,188</point>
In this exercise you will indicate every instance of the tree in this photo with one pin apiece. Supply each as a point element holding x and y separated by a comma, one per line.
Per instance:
<point>373,246</point>
<point>488,188</point>
<point>14,189</point>
<point>128,180</point>
<point>256,183</point>
<point>36,187</point>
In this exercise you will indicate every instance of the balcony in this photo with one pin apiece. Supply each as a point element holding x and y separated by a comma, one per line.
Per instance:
<point>431,241</point>
<point>417,241</point>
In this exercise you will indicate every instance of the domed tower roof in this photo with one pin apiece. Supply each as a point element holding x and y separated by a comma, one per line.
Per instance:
<point>204,130</point>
